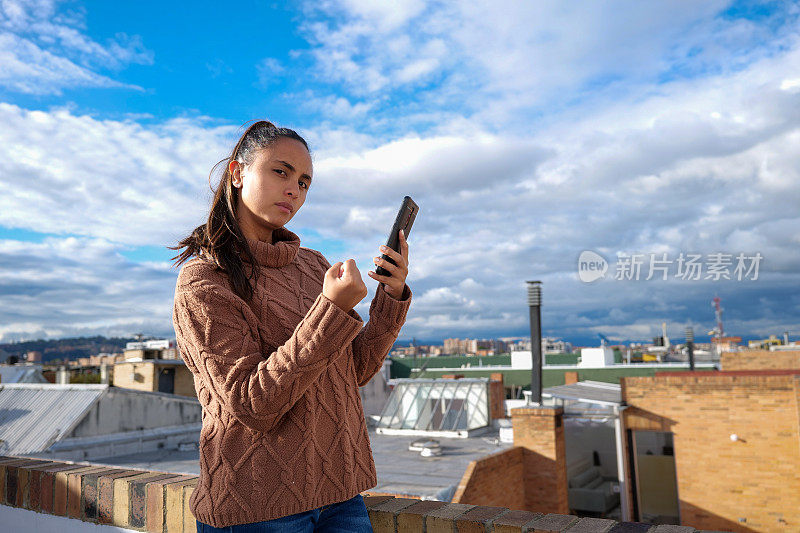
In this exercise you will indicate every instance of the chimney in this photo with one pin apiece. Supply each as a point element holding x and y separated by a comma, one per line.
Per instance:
<point>535,303</point>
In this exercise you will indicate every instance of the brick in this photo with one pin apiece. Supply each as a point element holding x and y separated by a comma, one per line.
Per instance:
<point>591,525</point>
<point>478,519</point>
<point>174,501</point>
<point>514,521</point>
<point>4,463</point>
<point>631,527</point>
<point>142,498</point>
<point>34,490</point>
<point>383,515</point>
<point>371,500</point>
<point>61,487</point>
<point>122,498</point>
<point>89,492</point>
<point>47,482</point>
<point>412,519</point>
<point>443,519</point>
<point>3,480</point>
<point>75,490</point>
<point>189,520</point>
<point>8,474</point>
<point>10,493</point>
<point>155,511</point>
<point>29,477</point>
<point>105,494</point>
<point>552,523</point>
<point>23,473</point>
<point>137,496</point>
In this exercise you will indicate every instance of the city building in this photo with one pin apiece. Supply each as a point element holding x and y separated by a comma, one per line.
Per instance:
<point>80,422</point>
<point>155,375</point>
<point>152,349</point>
<point>597,357</point>
<point>731,439</point>
<point>551,345</point>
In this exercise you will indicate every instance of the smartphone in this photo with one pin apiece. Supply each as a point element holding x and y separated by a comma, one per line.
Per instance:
<point>404,221</point>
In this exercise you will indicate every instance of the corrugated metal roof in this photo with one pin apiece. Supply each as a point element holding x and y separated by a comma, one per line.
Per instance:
<point>21,374</point>
<point>587,391</point>
<point>34,416</point>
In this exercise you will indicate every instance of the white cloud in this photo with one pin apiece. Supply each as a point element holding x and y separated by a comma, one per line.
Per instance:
<point>386,15</point>
<point>330,106</point>
<point>269,70</point>
<point>511,66</point>
<point>43,51</point>
<point>705,163</point>
<point>114,180</point>
<point>80,286</point>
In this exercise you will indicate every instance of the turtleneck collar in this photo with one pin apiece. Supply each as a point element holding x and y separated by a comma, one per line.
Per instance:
<point>279,254</point>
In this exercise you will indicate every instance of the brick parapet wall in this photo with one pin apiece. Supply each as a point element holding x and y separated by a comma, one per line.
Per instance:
<point>760,360</point>
<point>158,502</point>
<point>496,479</point>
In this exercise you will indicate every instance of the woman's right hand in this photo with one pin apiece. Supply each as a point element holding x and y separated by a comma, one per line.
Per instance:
<point>343,285</point>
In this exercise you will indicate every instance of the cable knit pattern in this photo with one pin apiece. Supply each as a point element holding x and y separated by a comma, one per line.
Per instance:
<point>283,426</point>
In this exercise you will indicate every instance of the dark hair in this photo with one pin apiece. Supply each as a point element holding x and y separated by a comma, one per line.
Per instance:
<point>220,240</point>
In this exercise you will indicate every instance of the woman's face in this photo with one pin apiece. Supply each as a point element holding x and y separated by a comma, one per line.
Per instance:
<point>273,186</point>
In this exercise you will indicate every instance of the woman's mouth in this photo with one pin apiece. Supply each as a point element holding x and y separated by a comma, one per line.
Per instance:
<point>285,206</point>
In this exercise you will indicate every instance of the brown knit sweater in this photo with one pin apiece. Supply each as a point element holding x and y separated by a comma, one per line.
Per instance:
<point>283,426</point>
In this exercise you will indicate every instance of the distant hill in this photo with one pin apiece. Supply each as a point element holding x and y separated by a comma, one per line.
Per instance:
<point>71,348</point>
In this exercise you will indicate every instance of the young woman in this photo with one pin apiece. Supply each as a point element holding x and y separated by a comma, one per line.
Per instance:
<point>277,351</point>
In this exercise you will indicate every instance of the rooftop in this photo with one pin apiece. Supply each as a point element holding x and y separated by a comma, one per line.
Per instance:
<point>596,392</point>
<point>21,373</point>
<point>400,471</point>
<point>82,421</point>
<point>34,416</point>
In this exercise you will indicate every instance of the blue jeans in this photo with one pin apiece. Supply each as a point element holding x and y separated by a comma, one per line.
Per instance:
<point>349,516</point>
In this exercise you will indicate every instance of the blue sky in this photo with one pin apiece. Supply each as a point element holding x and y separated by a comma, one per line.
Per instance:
<point>527,132</point>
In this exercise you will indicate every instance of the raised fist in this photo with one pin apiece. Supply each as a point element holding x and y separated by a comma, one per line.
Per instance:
<point>343,285</point>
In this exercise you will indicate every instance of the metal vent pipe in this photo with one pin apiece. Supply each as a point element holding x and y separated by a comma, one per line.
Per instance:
<point>535,304</point>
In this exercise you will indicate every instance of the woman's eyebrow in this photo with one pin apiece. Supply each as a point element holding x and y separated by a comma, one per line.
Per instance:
<point>290,167</point>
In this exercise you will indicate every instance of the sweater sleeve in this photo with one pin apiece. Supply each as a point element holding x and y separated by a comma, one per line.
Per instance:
<point>373,342</point>
<point>218,339</point>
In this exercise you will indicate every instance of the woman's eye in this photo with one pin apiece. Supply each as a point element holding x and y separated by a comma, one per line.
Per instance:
<point>303,185</point>
<point>280,171</point>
